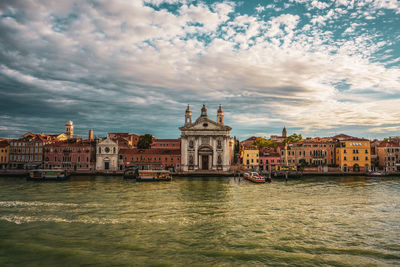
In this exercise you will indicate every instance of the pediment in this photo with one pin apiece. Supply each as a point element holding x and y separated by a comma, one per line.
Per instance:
<point>204,123</point>
<point>108,141</point>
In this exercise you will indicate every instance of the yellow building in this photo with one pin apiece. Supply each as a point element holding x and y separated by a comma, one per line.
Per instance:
<point>354,155</point>
<point>250,158</point>
<point>4,153</point>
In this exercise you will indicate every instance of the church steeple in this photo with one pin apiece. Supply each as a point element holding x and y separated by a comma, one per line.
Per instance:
<point>284,133</point>
<point>204,111</point>
<point>188,116</point>
<point>220,116</point>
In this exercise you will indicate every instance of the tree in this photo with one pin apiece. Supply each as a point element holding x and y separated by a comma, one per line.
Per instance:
<point>145,141</point>
<point>262,142</point>
<point>294,138</point>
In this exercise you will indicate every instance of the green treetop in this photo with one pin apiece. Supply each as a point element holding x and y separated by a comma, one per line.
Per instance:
<point>294,138</point>
<point>145,141</point>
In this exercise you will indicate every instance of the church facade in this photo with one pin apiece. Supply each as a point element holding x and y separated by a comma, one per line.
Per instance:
<point>106,155</point>
<point>206,145</point>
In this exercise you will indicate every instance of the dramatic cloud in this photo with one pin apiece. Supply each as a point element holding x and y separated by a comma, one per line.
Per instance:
<point>317,67</point>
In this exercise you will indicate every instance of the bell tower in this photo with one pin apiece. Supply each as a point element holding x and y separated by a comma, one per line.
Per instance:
<point>188,116</point>
<point>69,129</point>
<point>220,116</point>
<point>284,133</point>
<point>91,135</point>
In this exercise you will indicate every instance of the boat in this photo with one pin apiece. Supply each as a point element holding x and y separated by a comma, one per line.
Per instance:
<point>147,175</point>
<point>376,174</point>
<point>254,177</point>
<point>48,174</point>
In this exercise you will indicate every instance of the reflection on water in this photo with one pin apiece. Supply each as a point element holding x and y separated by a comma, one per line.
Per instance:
<point>225,221</point>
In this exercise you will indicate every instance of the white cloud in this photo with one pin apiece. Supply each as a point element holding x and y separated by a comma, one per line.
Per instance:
<point>131,52</point>
<point>389,129</point>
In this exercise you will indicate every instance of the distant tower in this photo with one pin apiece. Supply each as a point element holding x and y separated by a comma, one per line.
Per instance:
<point>188,116</point>
<point>220,116</point>
<point>204,111</point>
<point>284,133</point>
<point>69,129</point>
<point>91,135</point>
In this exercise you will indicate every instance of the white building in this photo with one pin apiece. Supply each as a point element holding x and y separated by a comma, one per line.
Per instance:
<point>106,155</point>
<point>206,144</point>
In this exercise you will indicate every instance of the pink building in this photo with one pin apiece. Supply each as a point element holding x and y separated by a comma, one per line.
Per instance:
<point>72,154</point>
<point>153,158</point>
<point>269,159</point>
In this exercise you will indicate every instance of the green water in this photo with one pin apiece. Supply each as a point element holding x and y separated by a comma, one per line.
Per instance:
<point>200,222</point>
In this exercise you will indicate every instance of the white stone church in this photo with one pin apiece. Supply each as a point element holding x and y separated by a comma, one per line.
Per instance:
<point>206,145</point>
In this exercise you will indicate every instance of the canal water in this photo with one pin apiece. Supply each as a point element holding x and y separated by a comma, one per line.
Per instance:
<point>338,221</point>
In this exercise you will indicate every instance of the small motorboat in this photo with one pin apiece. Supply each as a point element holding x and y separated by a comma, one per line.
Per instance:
<point>254,177</point>
<point>376,174</point>
<point>48,175</point>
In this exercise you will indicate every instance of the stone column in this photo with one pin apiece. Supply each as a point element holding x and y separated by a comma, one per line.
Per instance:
<point>196,154</point>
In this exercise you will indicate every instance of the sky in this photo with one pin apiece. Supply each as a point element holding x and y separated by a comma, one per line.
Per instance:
<point>319,68</point>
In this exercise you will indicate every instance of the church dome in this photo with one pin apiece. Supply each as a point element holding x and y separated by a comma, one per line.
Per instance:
<point>69,123</point>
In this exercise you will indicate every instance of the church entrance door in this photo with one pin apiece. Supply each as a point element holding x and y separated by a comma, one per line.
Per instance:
<point>106,165</point>
<point>204,162</point>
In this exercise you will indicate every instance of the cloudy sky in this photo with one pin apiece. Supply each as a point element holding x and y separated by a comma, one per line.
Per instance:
<point>318,67</point>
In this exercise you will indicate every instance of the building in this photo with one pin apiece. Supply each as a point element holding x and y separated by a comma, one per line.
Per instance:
<point>388,156</point>
<point>153,158</point>
<point>69,129</point>
<point>106,155</point>
<point>269,159</point>
<point>72,154</point>
<point>250,158</point>
<point>277,138</point>
<point>125,140</point>
<point>206,144</point>
<point>310,152</point>
<point>249,142</point>
<point>166,143</point>
<point>353,154</point>
<point>27,151</point>
<point>4,153</point>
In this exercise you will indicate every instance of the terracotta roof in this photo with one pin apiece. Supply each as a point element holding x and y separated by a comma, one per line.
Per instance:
<point>389,144</point>
<point>342,136</point>
<point>151,151</point>
<point>4,143</point>
<point>72,142</point>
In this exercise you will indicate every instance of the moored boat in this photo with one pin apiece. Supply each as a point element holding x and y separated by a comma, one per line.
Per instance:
<point>147,175</point>
<point>376,174</point>
<point>48,174</point>
<point>254,177</point>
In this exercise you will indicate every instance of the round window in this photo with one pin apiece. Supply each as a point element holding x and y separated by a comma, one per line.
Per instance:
<point>107,149</point>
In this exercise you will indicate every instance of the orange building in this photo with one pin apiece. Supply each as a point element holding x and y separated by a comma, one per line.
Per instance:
<point>4,153</point>
<point>354,154</point>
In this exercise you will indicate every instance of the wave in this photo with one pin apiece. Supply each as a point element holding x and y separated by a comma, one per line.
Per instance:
<point>11,204</point>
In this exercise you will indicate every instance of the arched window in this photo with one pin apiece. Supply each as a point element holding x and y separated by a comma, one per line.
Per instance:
<point>114,150</point>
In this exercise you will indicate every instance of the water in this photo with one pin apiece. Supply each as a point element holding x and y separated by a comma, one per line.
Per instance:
<point>99,220</point>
